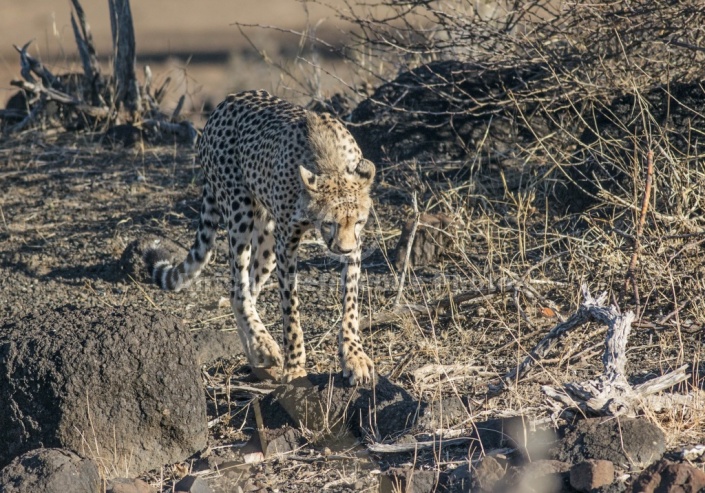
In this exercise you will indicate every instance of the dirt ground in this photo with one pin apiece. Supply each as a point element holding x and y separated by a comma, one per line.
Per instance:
<point>69,207</point>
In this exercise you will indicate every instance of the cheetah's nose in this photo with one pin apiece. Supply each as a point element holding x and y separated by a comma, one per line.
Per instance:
<point>343,251</point>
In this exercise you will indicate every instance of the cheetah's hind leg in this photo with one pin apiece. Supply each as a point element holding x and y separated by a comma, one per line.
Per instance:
<point>260,347</point>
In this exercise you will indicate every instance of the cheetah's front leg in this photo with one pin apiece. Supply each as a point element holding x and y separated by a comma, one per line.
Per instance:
<point>294,351</point>
<point>356,364</point>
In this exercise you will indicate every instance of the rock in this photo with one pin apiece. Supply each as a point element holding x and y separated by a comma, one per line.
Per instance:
<point>278,441</point>
<point>627,443</point>
<point>487,474</point>
<point>444,413</point>
<point>410,480</point>
<point>591,474</point>
<point>132,259</point>
<point>50,470</point>
<point>192,484</point>
<point>544,476</point>
<point>126,485</point>
<point>435,235</point>
<point>460,479</point>
<point>119,383</point>
<point>668,477</point>
<point>212,344</point>
<point>326,403</point>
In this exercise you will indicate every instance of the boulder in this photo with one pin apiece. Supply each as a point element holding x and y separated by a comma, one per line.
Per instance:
<point>120,384</point>
<point>326,403</point>
<point>50,471</point>
<point>627,443</point>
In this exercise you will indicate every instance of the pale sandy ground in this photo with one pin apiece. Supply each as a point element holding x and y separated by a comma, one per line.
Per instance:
<point>168,32</point>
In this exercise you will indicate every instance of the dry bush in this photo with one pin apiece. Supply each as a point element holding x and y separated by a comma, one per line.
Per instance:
<point>531,123</point>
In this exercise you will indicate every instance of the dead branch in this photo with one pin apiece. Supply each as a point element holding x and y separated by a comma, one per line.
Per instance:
<point>611,394</point>
<point>50,94</point>
<point>433,308</point>
<point>127,90</point>
<point>29,65</point>
<point>395,448</point>
<point>409,246</point>
<point>631,271</point>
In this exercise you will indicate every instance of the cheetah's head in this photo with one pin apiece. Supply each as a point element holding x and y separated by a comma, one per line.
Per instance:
<point>339,204</point>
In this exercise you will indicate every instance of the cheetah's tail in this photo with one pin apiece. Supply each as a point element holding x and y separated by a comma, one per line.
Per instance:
<point>175,278</point>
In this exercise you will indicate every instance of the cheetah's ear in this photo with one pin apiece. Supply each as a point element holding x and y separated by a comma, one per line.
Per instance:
<point>365,172</point>
<point>309,179</point>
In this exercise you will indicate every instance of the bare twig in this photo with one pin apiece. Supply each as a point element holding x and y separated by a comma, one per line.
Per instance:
<point>631,271</point>
<point>409,247</point>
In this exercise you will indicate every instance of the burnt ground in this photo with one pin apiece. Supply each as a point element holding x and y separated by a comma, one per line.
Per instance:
<point>70,206</point>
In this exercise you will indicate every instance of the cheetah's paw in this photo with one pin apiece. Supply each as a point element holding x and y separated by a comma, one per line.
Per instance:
<point>291,374</point>
<point>265,353</point>
<point>358,368</point>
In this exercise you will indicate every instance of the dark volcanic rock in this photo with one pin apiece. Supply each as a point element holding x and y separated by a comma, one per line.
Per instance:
<point>50,471</point>
<point>121,380</point>
<point>326,403</point>
<point>625,442</point>
<point>668,477</point>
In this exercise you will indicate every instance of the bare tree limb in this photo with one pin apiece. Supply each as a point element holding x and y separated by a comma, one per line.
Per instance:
<point>126,87</point>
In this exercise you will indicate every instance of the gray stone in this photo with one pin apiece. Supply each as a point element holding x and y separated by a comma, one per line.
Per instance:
<point>627,443</point>
<point>591,474</point>
<point>192,484</point>
<point>50,471</point>
<point>487,474</point>
<point>124,379</point>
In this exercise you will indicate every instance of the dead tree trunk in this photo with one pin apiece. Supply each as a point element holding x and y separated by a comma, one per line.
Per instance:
<point>94,81</point>
<point>127,91</point>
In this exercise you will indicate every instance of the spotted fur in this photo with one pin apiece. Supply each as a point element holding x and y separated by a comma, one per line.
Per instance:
<point>273,171</point>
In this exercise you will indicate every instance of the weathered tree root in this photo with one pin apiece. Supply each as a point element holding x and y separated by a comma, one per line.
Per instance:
<point>610,394</point>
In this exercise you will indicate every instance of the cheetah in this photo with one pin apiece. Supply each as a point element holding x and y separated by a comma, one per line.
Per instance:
<point>274,170</point>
